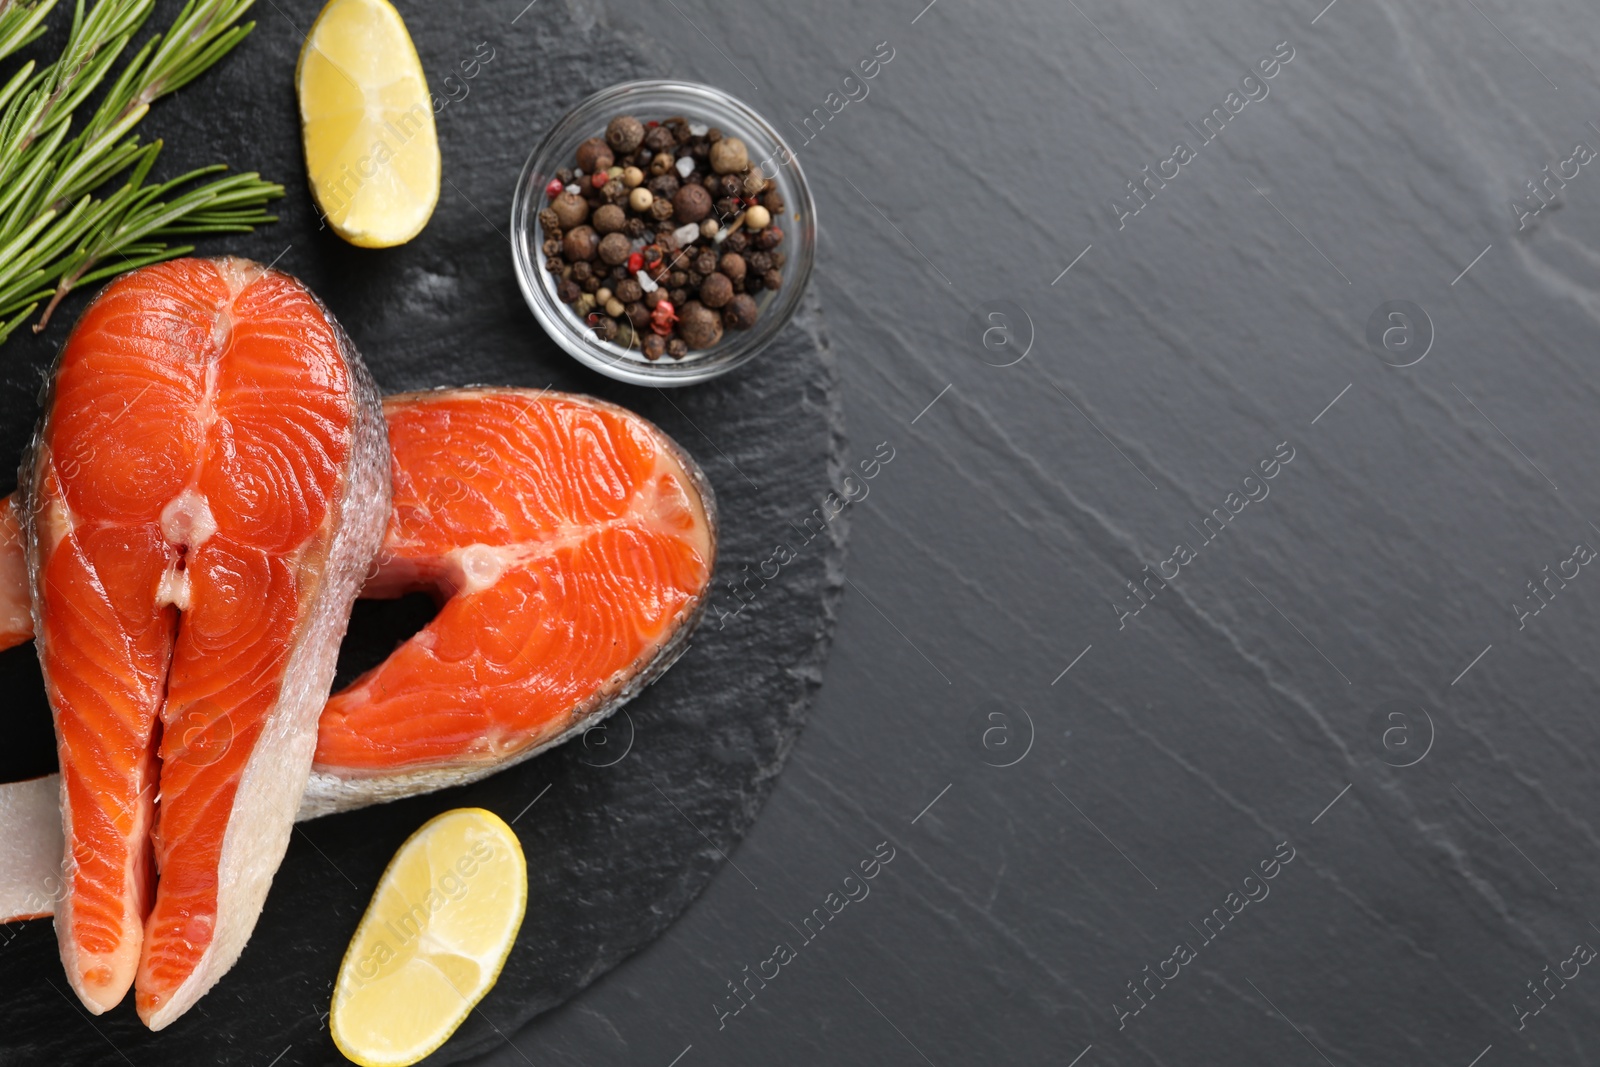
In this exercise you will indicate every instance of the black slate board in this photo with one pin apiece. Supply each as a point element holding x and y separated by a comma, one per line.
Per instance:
<point>617,847</point>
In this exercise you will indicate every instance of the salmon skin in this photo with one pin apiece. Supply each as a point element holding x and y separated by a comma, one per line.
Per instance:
<point>203,496</point>
<point>570,544</point>
<point>16,605</point>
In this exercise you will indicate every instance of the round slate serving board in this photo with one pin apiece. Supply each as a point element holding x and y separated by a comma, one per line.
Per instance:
<point>623,828</point>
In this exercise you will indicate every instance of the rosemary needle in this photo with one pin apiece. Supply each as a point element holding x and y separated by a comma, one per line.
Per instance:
<point>64,219</point>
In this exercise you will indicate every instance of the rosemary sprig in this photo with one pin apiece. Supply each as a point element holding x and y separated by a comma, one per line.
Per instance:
<point>55,232</point>
<point>21,24</point>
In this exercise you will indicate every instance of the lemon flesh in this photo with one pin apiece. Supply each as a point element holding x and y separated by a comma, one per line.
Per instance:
<point>433,940</point>
<point>372,154</point>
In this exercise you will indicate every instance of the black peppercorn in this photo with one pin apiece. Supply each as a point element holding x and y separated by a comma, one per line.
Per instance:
<point>691,203</point>
<point>590,284</point>
<point>704,261</point>
<point>778,260</point>
<point>570,210</point>
<point>606,328</point>
<point>737,241</point>
<point>677,279</point>
<point>614,248</point>
<point>614,191</point>
<point>549,221</point>
<point>567,292</point>
<point>679,297</point>
<point>716,290</point>
<point>699,326</point>
<point>654,297</point>
<point>564,176</point>
<point>609,219</point>
<point>634,228</point>
<point>772,200</point>
<point>676,348</point>
<point>733,265</point>
<point>694,279</point>
<point>713,135</point>
<point>662,186</point>
<point>730,185</point>
<point>629,291</point>
<point>551,246</point>
<point>661,210</point>
<point>769,238</point>
<point>759,262</point>
<point>555,264</point>
<point>741,312</point>
<point>580,243</point>
<point>772,279</point>
<point>637,314</point>
<point>624,133</point>
<point>594,154</point>
<point>654,347</point>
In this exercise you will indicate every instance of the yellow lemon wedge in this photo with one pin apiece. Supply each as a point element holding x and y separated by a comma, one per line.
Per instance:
<point>372,155</point>
<point>433,939</point>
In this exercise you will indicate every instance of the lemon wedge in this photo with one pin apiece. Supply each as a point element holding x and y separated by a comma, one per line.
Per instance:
<point>433,939</point>
<point>372,154</point>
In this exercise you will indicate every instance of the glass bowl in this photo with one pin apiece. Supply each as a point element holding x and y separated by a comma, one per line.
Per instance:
<point>647,100</point>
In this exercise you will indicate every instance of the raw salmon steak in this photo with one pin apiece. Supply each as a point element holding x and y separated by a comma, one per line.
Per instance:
<point>204,494</point>
<point>570,543</point>
<point>422,549</point>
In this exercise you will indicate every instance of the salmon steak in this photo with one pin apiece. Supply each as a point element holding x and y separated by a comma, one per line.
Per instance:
<point>569,543</point>
<point>204,494</point>
<point>604,530</point>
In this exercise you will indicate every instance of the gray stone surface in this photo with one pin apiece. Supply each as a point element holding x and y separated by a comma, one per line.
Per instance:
<point>1194,340</point>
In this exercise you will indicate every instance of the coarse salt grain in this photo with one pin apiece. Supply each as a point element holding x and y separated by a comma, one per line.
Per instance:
<point>698,130</point>
<point>574,190</point>
<point>685,166</point>
<point>646,282</point>
<point>686,234</point>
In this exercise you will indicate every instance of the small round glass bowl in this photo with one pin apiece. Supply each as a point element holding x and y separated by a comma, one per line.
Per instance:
<point>658,100</point>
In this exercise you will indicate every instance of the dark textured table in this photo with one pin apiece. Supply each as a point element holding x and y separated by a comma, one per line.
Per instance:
<point>1213,674</point>
<point>1366,608</point>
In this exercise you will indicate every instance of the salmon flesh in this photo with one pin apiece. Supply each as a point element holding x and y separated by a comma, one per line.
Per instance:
<point>571,545</point>
<point>204,494</point>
